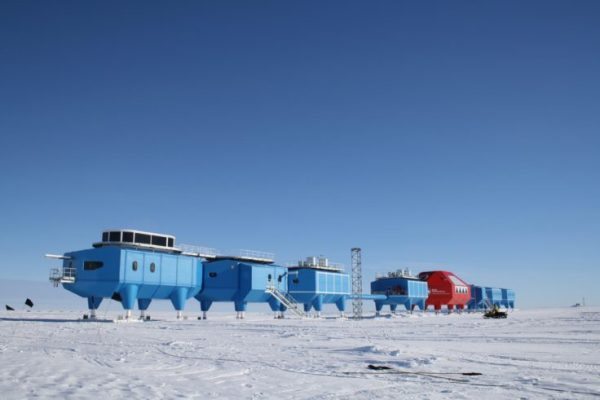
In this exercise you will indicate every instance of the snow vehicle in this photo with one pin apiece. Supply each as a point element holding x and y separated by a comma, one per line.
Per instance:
<point>495,313</point>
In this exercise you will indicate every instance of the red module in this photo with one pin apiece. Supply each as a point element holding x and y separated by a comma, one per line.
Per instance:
<point>447,289</point>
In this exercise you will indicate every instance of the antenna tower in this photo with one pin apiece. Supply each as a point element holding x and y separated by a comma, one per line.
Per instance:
<point>356,283</point>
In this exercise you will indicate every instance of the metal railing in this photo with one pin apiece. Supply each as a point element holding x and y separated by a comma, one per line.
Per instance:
<point>286,299</point>
<point>200,251</point>
<point>334,267</point>
<point>257,255</point>
<point>63,275</point>
<point>209,252</point>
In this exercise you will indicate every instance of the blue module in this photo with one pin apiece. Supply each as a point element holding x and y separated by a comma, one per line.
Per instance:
<point>494,295</point>
<point>315,282</point>
<point>479,298</point>
<point>483,298</point>
<point>400,288</point>
<point>508,298</point>
<point>241,281</point>
<point>128,266</point>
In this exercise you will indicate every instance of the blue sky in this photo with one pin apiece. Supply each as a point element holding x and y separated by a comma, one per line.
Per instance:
<point>458,135</point>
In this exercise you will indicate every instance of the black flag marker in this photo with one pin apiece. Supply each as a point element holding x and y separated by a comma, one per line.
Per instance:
<point>9,308</point>
<point>29,303</point>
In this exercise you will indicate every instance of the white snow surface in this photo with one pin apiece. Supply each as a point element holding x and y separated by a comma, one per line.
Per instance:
<point>545,354</point>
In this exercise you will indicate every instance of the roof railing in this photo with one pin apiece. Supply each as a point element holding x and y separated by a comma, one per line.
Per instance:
<point>256,255</point>
<point>198,251</point>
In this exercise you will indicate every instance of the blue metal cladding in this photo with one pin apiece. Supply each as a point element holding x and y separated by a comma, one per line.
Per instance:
<point>313,288</point>
<point>400,291</point>
<point>135,275</point>
<point>479,299</point>
<point>494,295</point>
<point>486,297</point>
<point>241,282</point>
<point>508,298</point>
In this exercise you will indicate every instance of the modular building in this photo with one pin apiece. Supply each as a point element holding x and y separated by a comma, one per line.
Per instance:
<point>399,288</point>
<point>479,299</point>
<point>315,282</point>
<point>129,265</point>
<point>446,289</point>
<point>483,298</point>
<point>238,280</point>
<point>133,266</point>
<point>508,298</point>
<point>494,296</point>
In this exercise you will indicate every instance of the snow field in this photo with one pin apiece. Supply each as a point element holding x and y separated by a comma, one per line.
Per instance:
<point>553,353</point>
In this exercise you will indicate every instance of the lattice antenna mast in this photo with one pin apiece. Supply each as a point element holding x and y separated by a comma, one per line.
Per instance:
<point>356,283</point>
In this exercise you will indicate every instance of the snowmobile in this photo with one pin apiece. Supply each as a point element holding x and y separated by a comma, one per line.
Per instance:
<point>495,313</point>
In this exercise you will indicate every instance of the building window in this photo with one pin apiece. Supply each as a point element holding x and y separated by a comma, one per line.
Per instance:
<point>142,238</point>
<point>134,265</point>
<point>128,237</point>
<point>152,267</point>
<point>105,236</point>
<point>212,274</point>
<point>159,241</point>
<point>92,265</point>
<point>269,277</point>
<point>296,281</point>
<point>115,237</point>
<point>171,242</point>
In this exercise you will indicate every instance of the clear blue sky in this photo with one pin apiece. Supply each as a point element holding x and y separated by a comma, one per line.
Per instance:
<point>460,135</point>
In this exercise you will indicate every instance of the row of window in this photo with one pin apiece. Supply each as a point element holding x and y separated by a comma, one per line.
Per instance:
<point>136,237</point>
<point>461,289</point>
<point>92,265</point>
<point>134,266</point>
<point>269,277</point>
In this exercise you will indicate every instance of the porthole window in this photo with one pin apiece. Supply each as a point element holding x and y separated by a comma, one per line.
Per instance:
<point>134,265</point>
<point>269,277</point>
<point>279,278</point>
<point>296,281</point>
<point>212,274</point>
<point>152,267</point>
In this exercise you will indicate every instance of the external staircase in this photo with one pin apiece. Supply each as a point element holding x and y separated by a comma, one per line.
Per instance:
<point>288,301</point>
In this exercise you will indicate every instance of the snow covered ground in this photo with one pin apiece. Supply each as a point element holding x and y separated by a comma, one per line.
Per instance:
<point>550,353</point>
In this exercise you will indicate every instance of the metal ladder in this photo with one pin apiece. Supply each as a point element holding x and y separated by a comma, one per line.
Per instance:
<point>286,300</point>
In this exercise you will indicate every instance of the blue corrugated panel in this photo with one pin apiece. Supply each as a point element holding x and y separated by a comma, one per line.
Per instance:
<point>240,282</point>
<point>494,295</point>
<point>133,275</point>
<point>479,298</point>
<point>508,298</point>
<point>313,288</point>
<point>400,291</point>
<point>486,297</point>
